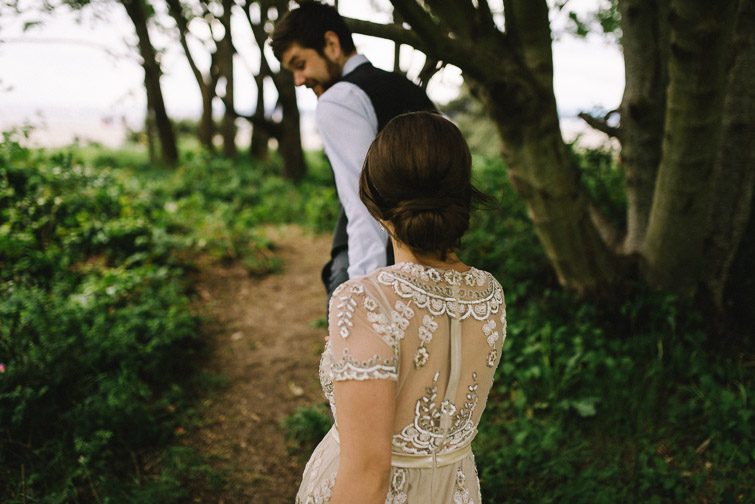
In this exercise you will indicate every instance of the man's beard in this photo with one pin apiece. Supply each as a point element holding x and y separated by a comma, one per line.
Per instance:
<point>334,75</point>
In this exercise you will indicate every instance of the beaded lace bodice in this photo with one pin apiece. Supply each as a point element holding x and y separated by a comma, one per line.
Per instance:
<point>438,333</point>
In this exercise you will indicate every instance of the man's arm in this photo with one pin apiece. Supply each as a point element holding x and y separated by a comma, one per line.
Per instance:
<point>347,123</point>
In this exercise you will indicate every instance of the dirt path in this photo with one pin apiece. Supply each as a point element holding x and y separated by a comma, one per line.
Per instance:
<point>266,346</point>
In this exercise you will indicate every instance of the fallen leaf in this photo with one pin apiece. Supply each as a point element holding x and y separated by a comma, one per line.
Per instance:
<point>295,389</point>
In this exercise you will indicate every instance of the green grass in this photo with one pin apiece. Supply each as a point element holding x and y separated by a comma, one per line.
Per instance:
<point>633,401</point>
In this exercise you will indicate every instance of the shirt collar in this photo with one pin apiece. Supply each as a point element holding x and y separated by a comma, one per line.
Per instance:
<point>353,62</point>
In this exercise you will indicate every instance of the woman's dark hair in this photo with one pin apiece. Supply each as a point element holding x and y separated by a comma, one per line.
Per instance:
<point>307,25</point>
<point>417,176</point>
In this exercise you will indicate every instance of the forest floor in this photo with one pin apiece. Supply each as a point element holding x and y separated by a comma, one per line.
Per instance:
<point>266,335</point>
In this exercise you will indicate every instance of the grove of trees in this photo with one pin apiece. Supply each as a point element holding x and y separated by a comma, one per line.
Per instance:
<point>684,124</point>
<point>685,118</point>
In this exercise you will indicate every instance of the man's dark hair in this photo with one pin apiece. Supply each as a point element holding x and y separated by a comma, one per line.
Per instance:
<point>307,25</point>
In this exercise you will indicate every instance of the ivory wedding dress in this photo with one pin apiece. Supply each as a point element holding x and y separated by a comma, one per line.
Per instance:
<point>439,334</point>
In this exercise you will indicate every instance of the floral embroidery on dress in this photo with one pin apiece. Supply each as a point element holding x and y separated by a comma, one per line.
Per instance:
<point>397,494</point>
<point>313,468</point>
<point>348,368</point>
<point>504,325</point>
<point>381,325</point>
<point>488,329</point>
<point>384,309</point>
<point>426,330</point>
<point>391,329</point>
<point>461,492</point>
<point>425,434</point>
<point>438,293</point>
<point>400,316</point>
<point>321,494</point>
<point>345,309</point>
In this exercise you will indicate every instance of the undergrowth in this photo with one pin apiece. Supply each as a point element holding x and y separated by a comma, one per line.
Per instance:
<point>627,401</point>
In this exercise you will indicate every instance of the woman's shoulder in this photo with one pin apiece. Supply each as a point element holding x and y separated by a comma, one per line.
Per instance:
<point>405,279</point>
<point>470,278</point>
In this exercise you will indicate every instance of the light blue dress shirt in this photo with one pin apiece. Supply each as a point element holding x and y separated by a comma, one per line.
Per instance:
<point>348,124</point>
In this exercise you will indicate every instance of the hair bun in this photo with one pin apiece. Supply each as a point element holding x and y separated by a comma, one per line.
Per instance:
<point>423,187</point>
<point>431,204</point>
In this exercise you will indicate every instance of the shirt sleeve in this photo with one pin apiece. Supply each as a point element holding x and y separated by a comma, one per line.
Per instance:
<point>362,338</point>
<point>347,124</point>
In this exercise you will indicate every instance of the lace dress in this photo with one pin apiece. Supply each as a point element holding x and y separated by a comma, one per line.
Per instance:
<point>439,334</point>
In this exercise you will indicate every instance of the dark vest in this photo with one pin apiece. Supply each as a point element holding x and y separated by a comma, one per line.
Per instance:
<point>391,94</point>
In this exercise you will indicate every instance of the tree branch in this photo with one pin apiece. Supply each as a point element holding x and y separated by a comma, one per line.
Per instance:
<point>176,12</point>
<point>436,42</point>
<point>430,68</point>
<point>459,15</point>
<point>609,233</point>
<point>485,17</point>
<point>391,32</point>
<point>600,124</point>
<point>271,128</point>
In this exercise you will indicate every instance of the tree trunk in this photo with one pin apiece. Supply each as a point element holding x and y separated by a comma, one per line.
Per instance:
<point>542,174</point>
<point>397,47</point>
<point>225,62</point>
<point>205,131</point>
<point>700,36</point>
<point>645,41</point>
<point>137,11</point>
<point>735,169</point>
<point>740,284</point>
<point>518,93</point>
<point>149,133</point>
<point>258,148</point>
<point>288,132</point>
<point>672,133</point>
<point>289,140</point>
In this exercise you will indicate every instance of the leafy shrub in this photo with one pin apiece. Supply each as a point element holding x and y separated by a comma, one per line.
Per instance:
<point>596,402</point>
<point>305,428</point>
<point>97,342</point>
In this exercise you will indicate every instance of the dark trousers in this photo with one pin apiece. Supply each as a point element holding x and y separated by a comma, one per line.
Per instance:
<point>336,271</point>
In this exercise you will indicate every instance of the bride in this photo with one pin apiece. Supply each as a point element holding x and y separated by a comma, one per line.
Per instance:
<point>413,347</point>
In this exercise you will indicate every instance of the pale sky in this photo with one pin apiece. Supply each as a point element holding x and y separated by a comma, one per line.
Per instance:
<point>82,78</point>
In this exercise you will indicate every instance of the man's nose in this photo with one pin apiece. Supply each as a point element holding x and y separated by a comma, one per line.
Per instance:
<point>298,79</point>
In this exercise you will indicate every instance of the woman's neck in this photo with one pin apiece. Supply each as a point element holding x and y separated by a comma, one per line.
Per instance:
<point>402,253</point>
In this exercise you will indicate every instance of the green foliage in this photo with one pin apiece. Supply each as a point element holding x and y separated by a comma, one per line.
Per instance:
<point>305,427</point>
<point>633,401</point>
<point>605,19</point>
<point>222,205</point>
<point>603,180</point>
<point>98,348</point>
<point>501,238</point>
<point>629,401</point>
<point>479,130</point>
<point>97,343</point>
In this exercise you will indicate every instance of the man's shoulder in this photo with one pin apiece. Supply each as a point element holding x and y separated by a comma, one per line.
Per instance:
<point>340,91</point>
<point>367,74</point>
<point>342,98</point>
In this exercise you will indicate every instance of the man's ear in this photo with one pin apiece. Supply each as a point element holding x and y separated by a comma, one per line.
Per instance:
<point>332,48</point>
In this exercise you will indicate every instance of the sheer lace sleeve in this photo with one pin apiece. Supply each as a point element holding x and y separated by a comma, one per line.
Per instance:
<point>361,334</point>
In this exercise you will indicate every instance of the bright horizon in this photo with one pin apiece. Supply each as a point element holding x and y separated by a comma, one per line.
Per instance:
<point>60,79</point>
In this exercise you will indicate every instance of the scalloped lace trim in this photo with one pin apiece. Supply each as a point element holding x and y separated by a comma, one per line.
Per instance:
<point>433,290</point>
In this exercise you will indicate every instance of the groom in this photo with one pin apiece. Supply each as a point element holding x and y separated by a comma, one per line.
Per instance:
<point>355,101</point>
